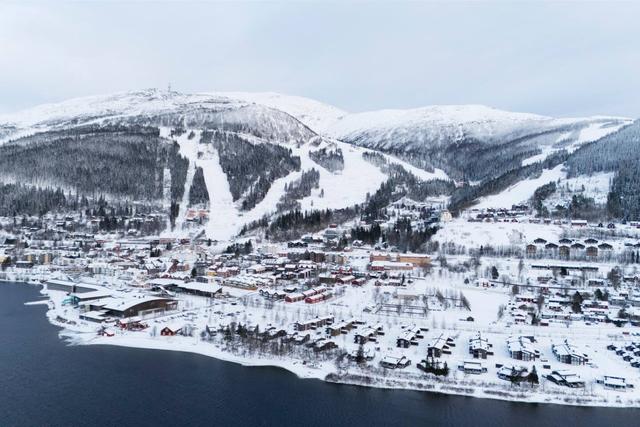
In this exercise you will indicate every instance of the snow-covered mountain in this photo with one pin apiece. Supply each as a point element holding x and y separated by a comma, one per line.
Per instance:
<point>417,127</point>
<point>318,116</point>
<point>248,155</point>
<point>157,107</point>
<point>461,139</point>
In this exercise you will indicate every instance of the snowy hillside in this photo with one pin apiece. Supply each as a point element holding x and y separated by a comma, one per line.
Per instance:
<point>156,107</point>
<point>439,125</point>
<point>429,125</point>
<point>318,116</point>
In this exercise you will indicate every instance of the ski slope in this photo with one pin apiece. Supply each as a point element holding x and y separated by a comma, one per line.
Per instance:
<point>522,191</point>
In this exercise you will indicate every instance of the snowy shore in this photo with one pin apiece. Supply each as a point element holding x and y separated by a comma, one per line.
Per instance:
<point>79,332</point>
<point>327,372</point>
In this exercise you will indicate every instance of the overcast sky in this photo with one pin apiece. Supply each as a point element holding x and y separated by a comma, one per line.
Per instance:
<point>561,59</point>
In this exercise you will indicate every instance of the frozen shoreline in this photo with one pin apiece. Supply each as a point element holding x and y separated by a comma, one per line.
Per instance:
<point>328,371</point>
<point>325,373</point>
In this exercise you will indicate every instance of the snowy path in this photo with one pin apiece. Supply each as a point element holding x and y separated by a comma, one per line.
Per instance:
<point>224,220</point>
<point>345,188</point>
<point>189,149</point>
<point>184,203</point>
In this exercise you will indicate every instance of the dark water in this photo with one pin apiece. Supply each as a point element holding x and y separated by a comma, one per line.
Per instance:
<point>43,382</point>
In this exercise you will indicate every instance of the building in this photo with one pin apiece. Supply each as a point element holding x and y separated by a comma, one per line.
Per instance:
<point>522,348</point>
<point>202,289</point>
<point>418,260</point>
<point>567,353</point>
<point>566,378</point>
<point>440,346</point>
<point>390,266</point>
<point>68,286</point>
<point>138,306</point>
<point>479,347</point>
<point>409,337</point>
<point>472,367</point>
<point>512,373</point>
<point>395,362</point>
<point>313,323</point>
<point>531,250</point>
<point>614,383</point>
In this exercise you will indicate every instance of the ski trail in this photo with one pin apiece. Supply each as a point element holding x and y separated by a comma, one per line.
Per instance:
<point>184,203</point>
<point>224,218</point>
<point>166,189</point>
<point>188,149</point>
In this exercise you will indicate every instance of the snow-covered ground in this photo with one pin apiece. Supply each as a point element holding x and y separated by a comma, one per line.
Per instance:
<point>474,234</point>
<point>344,188</point>
<point>522,191</point>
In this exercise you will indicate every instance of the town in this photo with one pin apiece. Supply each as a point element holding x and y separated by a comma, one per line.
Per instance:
<point>544,310</point>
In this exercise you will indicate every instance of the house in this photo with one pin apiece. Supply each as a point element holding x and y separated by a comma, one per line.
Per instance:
<point>522,348</point>
<point>367,353</point>
<point>563,251</point>
<point>171,330</point>
<point>272,333</point>
<point>512,373</point>
<point>366,335</point>
<point>314,299</point>
<point>472,367</point>
<point>605,247</point>
<point>577,247</point>
<point>531,250</point>
<point>567,353</point>
<point>324,345</point>
<point>409,337</point>
<point>395,362</point>
<point>298,338</point>
<point>295,297</point>
<point>97,316</point>
<point>345,280</point>
<point>614,383</point>
<point>340,328</point>
<point>566,378</point>
<point>440,345</point>
<point>479,347</point>
<point>318,322</point>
